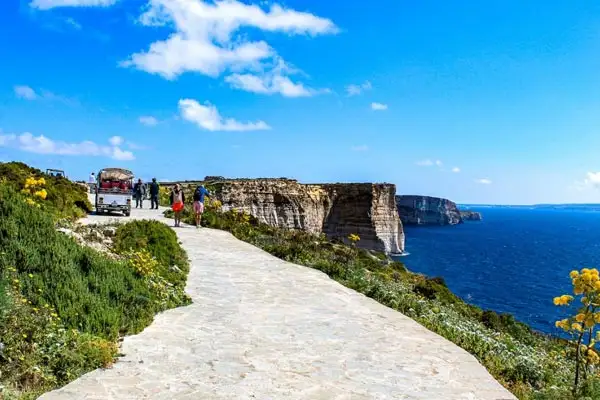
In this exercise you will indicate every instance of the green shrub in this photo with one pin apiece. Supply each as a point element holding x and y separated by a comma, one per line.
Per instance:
<point>65,199</point>
<point>160,241</point>
<point>63,306</point>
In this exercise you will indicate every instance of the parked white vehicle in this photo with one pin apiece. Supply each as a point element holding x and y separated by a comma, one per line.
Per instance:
<point>114,191</point>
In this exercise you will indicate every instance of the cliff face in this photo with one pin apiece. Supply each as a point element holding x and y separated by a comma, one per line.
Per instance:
<point>425,210</point>
<point>336,210</point>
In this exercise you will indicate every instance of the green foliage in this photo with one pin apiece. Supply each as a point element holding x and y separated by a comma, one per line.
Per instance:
<point>64,306</point>
<point>160,241</point>
<point>65,199</point>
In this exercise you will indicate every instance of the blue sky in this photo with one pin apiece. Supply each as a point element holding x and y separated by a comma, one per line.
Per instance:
<point>494,103</point>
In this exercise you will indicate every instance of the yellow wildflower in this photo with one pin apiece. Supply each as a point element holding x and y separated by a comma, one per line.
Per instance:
<point>574,274</point>
<point>580,317</point>
<point>576,327</point>
<point>589,322</point>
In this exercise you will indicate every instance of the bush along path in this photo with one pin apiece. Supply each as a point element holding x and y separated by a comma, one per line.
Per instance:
<point>63,306</point>
<point>260,327</point>
<point>531,365</point>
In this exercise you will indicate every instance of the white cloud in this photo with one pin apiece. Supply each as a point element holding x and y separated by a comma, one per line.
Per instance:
<point>48,4</point>
<point>206,40</point>
<point>74,24</point>
<point>207,117</point>
<point>269,84</point>
<point>25,92</point>
<point>355,90</point>
<point>273,81</point>
<point>484,181</point>
<point>438,163</point>
<point>28,93</point>
<point>360,148</point>
<point>591,179</point>
<point>6,139</point>
<point>148,120</point>
<point>456,170</point>
<point>378,106</point>
<point>116,140</point>
<point>43,145</point>
<point>123,155</point>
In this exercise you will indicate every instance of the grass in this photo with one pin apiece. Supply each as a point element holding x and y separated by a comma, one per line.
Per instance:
<point>531,365</point>
<point>63,307</point>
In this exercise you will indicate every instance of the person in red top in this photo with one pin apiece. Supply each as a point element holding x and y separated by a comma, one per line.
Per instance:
<point>177,202</point>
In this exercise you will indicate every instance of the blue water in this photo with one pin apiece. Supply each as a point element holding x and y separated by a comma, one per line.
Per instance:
<point>514,261</point>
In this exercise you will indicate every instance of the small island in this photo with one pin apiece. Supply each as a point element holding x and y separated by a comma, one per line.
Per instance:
<point>470,216</point>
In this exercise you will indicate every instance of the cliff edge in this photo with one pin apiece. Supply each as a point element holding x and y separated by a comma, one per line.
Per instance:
<point>337,210</point>
<point>426,210</point>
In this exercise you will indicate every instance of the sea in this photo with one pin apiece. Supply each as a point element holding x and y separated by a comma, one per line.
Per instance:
<point>513,261</point>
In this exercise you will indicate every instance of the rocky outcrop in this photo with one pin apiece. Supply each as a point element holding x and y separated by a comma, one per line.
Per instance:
<point>336,210</point>
<point>426,210</point>
<point>471,216</point>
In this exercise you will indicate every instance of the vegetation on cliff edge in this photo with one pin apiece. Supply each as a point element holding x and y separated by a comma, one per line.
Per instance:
<point>64,199</point>
<point>531,365</point>
<point>63,307</point>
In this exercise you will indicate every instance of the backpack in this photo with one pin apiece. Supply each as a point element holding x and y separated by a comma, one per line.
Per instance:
<point>197,194</point>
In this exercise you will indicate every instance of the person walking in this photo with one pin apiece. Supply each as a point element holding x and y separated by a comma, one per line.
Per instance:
<point>92,182</point>
<point>198,206</point>
<point>154,190</point>
<point>177,203</point>
<point>138,194</point>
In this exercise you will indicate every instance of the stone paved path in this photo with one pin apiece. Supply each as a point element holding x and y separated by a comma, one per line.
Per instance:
<point>262,328</point>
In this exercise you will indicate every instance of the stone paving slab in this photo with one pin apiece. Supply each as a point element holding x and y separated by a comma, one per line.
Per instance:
<point>262,328</point>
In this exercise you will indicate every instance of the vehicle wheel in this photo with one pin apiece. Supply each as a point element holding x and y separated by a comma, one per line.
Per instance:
<point>127,214</point>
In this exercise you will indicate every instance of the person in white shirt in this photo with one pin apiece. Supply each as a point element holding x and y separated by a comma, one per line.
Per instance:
<point>92,182</point>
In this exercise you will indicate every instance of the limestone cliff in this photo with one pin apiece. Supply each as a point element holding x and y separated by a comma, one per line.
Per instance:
<point>471,216</point>
<point>426,210</point>
<point>336,210</point>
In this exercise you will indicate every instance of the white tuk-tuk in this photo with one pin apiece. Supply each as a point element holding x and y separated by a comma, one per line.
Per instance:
<point>114,190</point>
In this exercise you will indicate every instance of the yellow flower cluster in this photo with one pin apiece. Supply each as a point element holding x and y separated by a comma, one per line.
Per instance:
<point>582,324</point>
<point>241,216</point>
<point>142,262</point>
<point>592,357</point>
<point>32,182</point>
<point>585,282</point>
<point>214,204</point>
<point>353,237</point>
<point>42,194</point>
<point>34,189</point>
<point>32,203</point>
<point>563,300</point>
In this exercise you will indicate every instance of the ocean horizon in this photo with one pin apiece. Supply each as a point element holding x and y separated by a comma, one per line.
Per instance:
<point>516,260</point>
